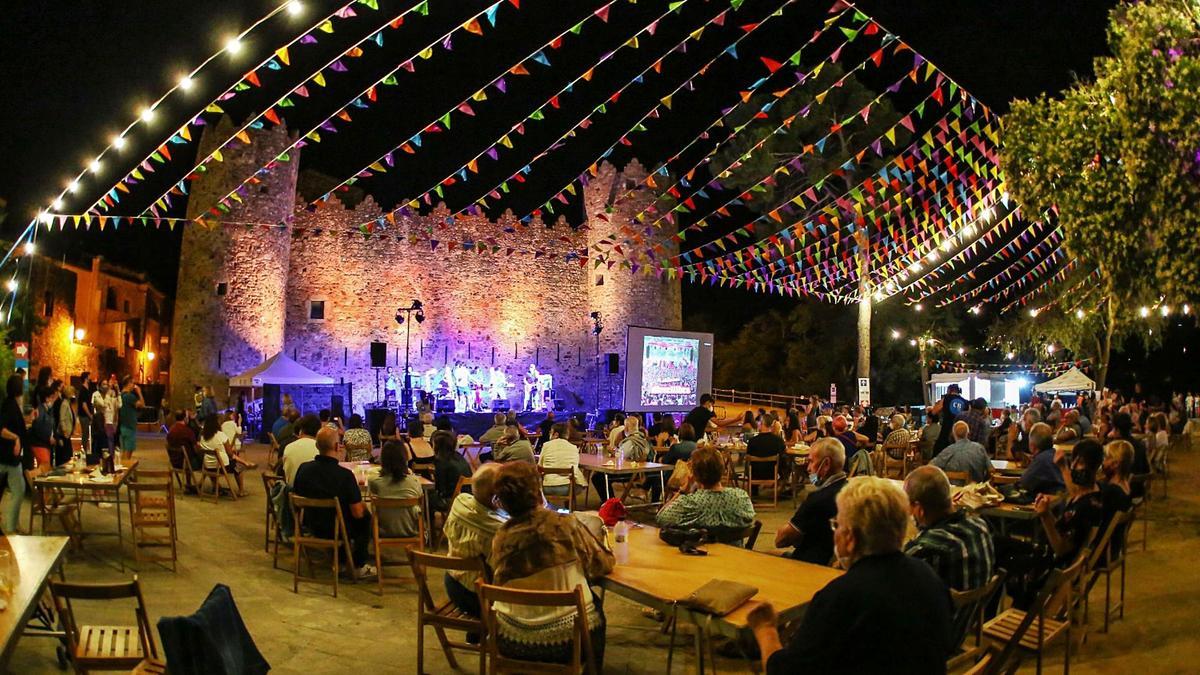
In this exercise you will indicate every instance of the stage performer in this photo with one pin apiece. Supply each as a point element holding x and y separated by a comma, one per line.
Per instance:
<point>478,382</point>
<point>430,382</point>
<point>497,386</point>
<point>389,386</point>
<point>531,385</point>
<point>545,391</point>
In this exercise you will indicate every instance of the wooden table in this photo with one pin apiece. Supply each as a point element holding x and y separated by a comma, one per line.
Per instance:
<point>371,471</point>
<point>658,575</point>
<point>81,482</point>
<point>610,466</point>
<point>32,561</point>
<point>800,450</point>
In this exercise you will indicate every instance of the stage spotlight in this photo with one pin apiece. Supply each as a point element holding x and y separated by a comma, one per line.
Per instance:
<point>594,315</point>
<point>420,316</point>
<point>399,317</point>
<point>417,304</point>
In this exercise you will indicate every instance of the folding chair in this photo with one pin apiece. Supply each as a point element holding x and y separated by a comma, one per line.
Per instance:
<point>215,475</point>
<point>895,457</point>
<point>152,509</point>
<point>446,615</point>
<point>181,467</point>
<point>1109,557</point>
<point>302,543</point>
<point>968,619</point>
<point>1011,627</point>
<point>751,481</point>
<point>567,500</point>
<point>1141,505</point>
<point>383,504</point>
<point>582,660</point>
<point>104,647</point>
<point>272,531</point>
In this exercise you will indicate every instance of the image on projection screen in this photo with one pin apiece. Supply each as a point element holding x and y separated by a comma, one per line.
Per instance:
<point>670,371</point>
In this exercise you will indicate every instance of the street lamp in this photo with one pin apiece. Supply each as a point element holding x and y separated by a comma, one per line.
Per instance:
<point>403,317</point>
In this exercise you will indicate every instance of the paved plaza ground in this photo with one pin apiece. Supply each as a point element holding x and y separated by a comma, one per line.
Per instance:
<point>313,633</point>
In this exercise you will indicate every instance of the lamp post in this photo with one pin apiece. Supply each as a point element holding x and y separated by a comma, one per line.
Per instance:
<point>404,317</point>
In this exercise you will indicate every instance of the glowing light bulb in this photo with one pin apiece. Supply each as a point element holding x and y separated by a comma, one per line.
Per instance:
<point>1164,310</point>
<point>948,244</point>
<point>11,285</point>
<point>147,115</point>
<point>1187,309</point>
<point>44,217</point>
<point>918,307</point>
<point>1144,312</point>
<point>72,186</point>
<point>912,343</point>
<point>1033,312</point>
<point>975,309</point>
<point>118,142</point>
<point>1010,356</point>
<point>962,350</point>
<point>1079,314</point>
<point>895,334</point>
<point>94,167</point>
<point>1049,349</point>
<point>294,7</point>
<point>80,334</point>
<point>56,205</point>
<point>30,248</point>
<point>186,83</point>
<point>233,45</point>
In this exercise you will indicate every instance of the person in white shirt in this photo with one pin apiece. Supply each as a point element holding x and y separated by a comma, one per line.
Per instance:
<point>559,453</point>
<point>212,438</point>
<point>106,403</point>
<point>232,431</point>
<point>303,449</point>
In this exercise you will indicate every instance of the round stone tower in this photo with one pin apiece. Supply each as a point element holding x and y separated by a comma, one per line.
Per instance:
<point>231,296</point>
<point>629,290</point>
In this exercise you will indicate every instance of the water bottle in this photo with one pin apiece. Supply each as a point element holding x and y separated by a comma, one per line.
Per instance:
<point>621,547</point>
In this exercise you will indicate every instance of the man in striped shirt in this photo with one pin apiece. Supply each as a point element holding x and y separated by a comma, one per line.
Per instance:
<point>956,544</point>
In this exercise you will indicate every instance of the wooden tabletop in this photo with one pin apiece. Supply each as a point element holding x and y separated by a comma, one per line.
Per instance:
<point>372,470</point>
<point>31,561</point>
<point>798,450</point>
<point>601,464</point>
<point>82,480</point>
<point>659,574</point>
<point>1013,511</point>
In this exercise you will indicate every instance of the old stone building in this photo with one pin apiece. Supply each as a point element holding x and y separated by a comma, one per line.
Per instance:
<point>496,293</point>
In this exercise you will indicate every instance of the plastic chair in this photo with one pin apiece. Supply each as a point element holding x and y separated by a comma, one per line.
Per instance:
<point>445,616</point>
<point>581,659</point>
<point>104,647</point>
<point>381,504</point>
<point>302,543</point>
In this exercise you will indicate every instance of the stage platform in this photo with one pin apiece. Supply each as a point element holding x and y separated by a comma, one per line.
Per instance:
<point>475,423</point>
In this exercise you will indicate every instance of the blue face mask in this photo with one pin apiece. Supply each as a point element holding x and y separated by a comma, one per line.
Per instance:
<point>814,479</point>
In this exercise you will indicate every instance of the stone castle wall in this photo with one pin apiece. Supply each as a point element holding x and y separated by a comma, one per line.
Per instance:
<point>505,308</point>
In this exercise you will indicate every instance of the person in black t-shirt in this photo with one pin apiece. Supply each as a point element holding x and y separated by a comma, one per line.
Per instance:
<point>544,426</point>
<point>701,417</point>
<point>14,448</point>
<point>767,444</point>
<point>1083,515</point>
<point>808,530</point>
<point>324,478</point>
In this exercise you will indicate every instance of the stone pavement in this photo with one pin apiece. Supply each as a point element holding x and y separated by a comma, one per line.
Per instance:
<point>311,632</point>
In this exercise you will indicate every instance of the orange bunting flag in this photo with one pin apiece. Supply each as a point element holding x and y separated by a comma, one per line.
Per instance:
<point>270,114</point>
<point>519,69</point>
<point>473,26</point>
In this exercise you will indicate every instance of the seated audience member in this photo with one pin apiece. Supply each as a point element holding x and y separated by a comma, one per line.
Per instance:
<point>494,432</point>
<point>212,438</point>
<point>897,435</point>
<point>284,419</point>
<point>544,428</point>
<point>448,466</point>
<point>749,428</point>
<point>559,453</point>
<point>395,481</point>
<point>979,421</point>
<point>808,530</point>
<point>303,449</point>
<point>1083,514</point>
<point>328,420</point>
<point>469,529</point>
<point>1115,489</point>
<point>512,446</point>
<point>419,440</point>
<point>663,430</point>
<point>841,431</point>
<point>889,613</point>
<point>1070,430</point>
<point>180,439</point>
<point>539,549</point>
<point>929,434</point>
<point>1018,435</point>
<point>575,431</point>
<point>633,441</point>
<point>1042,476</point>
<point>388,430</point>
<point>1123,425</point>
<point>710,504</point>
<point>955,543</point>
<point>964,455</point>
<point>357,440</point>
<point>766,444</point>
<point>683,448</point>
<point>324,478</point>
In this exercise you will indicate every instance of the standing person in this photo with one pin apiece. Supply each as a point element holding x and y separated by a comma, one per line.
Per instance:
<point>85,412</point>
<point>66,416</point>
<point>131,403</point>
<point>110,404</point>
<point>12,448</point>
<point>701,417</point>
<point>208,404</point>
<point>948,409</point>
<point>41,431</point>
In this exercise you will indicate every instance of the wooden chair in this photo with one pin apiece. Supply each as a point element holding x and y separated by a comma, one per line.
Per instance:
<point>463,482</point>
<point>958,477</point>
<point>445,616</point>
<point>303,542</point>
<point>582,659</point>
<point>895,457</point>
<point>773,481</point>
<point>104,647</point>
<point>1011,628</point>
<point>152,510</point>
<point>1158,464</point>
<point>381,504</point>
<point>51,502</point>
<point>968,619</point>
<point>215,475</point>
<point>744,537</point>
<point>183,474</point>
<point>275,452</point>
<point>1141,505</point>
<point>567,500</point>
<point>1109,557</point>
<point>272,531</point>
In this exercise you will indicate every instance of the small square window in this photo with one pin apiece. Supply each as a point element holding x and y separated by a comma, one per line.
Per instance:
<point>316,310</point>
<point>126,307</point>
<point>599,279</point>
<point>222,288</point>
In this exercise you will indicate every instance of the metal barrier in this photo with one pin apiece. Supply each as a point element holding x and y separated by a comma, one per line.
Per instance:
<point>755,398</point>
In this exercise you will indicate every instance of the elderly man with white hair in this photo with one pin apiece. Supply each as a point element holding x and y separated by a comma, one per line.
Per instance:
<point>887,600</point>
<point>964,455</point>
<point>808,530</point>
<point>955,543</point>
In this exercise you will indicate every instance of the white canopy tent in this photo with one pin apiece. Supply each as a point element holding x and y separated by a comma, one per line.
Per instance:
<point>1072,380</point>
<point>278,369</point>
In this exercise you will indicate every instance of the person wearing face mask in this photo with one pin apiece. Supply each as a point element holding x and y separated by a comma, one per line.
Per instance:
<point>890,601</point>
<point>955,543</point>
<point>808,530</point>
<point>1083,513</point>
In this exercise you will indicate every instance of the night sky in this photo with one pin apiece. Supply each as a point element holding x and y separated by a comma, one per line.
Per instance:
<point>76,72</point>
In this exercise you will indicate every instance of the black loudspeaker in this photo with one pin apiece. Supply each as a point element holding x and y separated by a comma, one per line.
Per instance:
<point>559,406</point>
<point>500,405</point>
<point>337,405</point>
<point>445,405</point>
<point>614,364</point>
<point>379,355</point>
